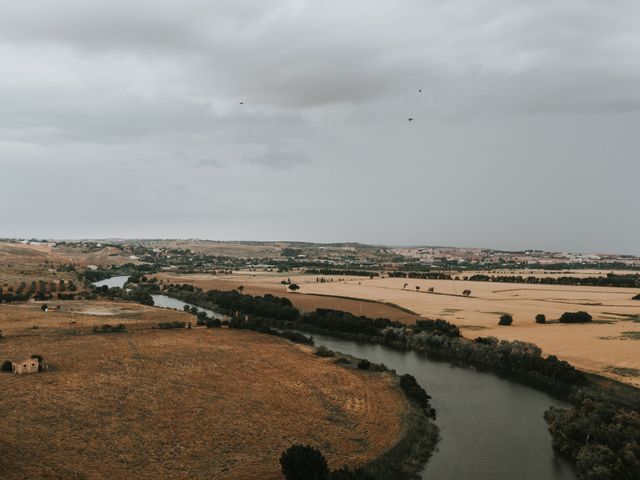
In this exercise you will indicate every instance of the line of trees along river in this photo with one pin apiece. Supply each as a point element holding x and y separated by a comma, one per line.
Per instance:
<point>491,427</point>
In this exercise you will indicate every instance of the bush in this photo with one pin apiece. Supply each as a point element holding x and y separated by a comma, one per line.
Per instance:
<point>304,462</point>
<point>637,297</point>
<point>6,366</point>
<point>175,324</point>
<point>106,328</point>
<point>541,318</point>
<point>438,326</point>
<point>323,351</point>
<point>296,337</point>
<point>416,393</point>
<point>575,317</point>
<point>505,319</point>
<point>364,364</point>
<point>212,323</point>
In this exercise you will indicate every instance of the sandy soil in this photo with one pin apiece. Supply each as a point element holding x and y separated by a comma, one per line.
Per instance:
<point>201,403</point>
<point>612,341</point>
<point>596,347</point>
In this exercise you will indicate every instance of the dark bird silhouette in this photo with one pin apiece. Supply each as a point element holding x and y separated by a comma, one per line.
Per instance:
<point>420,91</point>
<point>410,119</point>
<point>241,103</point>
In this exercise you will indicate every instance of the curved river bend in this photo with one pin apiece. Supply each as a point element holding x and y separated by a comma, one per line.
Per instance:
<point>491,428</point>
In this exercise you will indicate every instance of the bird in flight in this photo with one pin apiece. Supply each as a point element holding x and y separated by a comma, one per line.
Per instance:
<point>410,119</point>
<point>420,91</point>
<point>241,103</point>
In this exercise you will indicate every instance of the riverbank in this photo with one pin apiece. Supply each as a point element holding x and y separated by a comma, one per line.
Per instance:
<point>608,346</point>
<point>522,361</point>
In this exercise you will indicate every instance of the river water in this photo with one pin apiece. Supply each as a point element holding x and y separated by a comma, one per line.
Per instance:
<point>491,428</point>
<point>169,302</point>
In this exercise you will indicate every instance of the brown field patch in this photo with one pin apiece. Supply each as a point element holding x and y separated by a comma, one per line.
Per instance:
<point>201,403</point>
<point>582,345</point>
<point>260,283</point>
<point>594,347</point>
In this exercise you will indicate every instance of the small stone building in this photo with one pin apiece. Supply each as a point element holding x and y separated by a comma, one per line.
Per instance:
<point>27,365</point>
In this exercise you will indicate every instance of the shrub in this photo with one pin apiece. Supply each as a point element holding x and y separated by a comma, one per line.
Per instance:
<point>212,323</point>
<point>364,364</point>
<point>296,337</point>
<point>637,297</point>
<point>416,393</point>
<point>323,351</point>
<point>505,319</point>
<point>438,326</point>
<point>541,318</point>
<point>6,366</point>
<point>575,317</point>
<point>106,328</point>
<point>304,462</point>
<point>174,324</point>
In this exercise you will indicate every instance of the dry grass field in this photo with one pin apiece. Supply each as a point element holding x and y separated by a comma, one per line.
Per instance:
<point>20,254</point>
<point>260,283</point>
<point>610,345</point>
<point>200,403</point>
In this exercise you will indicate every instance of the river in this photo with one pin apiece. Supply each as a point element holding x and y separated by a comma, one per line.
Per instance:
<point>491,428</point>
<point>169,302</point>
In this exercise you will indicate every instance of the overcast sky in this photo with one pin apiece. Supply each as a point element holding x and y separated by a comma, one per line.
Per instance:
<point>124,119</point>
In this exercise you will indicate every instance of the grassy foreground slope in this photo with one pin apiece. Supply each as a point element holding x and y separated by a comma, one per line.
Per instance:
<point>201,403</point>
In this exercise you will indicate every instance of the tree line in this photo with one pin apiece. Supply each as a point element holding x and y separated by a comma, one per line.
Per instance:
<point>599,433</point>
<point>601,437</point>
<point>610,280</point>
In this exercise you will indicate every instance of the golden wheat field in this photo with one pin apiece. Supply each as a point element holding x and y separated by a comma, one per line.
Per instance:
<point>200,403</point>
<point>610,345</point>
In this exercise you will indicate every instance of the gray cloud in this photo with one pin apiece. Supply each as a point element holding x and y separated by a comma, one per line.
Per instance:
<point>279,157</point>
<point>525,132</point>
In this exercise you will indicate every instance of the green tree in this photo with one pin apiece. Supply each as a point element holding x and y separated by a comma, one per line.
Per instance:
<point>541,318</point>
<point>575,317</point>
<point>294,287</point>
<point>304,462</point>
<point>505,319</point>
